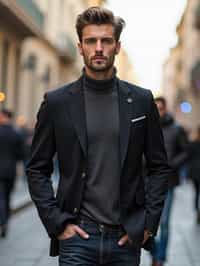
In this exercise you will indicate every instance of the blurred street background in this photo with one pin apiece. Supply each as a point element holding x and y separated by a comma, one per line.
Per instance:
<point>38,52</point>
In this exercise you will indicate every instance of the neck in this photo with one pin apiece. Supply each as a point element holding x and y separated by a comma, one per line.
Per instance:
<point>101,75</point>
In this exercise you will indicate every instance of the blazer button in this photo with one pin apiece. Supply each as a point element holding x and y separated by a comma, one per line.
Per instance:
<point>129,100</point>
<point>83,175</point>
<point>75,210</point>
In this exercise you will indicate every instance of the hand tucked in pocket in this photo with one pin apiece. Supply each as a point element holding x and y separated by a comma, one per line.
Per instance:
<point>147,235</point>
<point>124,239</point>
<point>71,230</point>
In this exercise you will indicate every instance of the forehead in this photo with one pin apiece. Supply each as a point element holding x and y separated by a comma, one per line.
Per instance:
<point>97,31</point>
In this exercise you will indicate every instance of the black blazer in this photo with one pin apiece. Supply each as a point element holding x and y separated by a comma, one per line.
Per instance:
<point>61,128</point>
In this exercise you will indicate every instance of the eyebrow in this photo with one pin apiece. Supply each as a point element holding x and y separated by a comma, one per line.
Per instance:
<point>103,37</point>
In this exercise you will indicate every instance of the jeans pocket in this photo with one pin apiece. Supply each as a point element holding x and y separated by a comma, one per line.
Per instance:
<point>128,244</point>
<point>69,238</point>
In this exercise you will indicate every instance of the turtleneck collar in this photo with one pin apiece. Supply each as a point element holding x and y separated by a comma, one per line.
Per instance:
<point>100,86</point>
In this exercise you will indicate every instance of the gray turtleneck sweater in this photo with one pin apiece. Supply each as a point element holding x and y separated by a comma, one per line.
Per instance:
<point>101,193</point>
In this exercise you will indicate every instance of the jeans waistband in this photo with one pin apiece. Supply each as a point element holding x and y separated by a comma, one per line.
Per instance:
<point>82,219</point>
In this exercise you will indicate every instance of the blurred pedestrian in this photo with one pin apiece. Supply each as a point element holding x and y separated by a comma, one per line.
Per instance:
<point>194,170</point>
<point>100,127</point>
<point>11,150</point>
<point>27,134</point>
<point>175,139</point>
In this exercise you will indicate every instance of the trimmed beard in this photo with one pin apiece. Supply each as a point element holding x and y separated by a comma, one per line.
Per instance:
<point>109,64</point>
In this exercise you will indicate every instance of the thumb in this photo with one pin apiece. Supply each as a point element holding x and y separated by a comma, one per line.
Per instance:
<point>81,232</point>
<point>123,240</point>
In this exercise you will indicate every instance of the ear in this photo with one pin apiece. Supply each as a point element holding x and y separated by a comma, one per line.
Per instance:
<point>80,48</point>
<point>118,47</point>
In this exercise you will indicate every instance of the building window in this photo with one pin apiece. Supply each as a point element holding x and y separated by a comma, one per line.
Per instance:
<point>4,73</point>
<point>17,73</point>
<point>197,17</point>
<point>46,77</point>
<point>30,63</point>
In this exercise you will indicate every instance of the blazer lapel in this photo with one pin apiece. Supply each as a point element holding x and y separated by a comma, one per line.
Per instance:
<point>76,109</point>
<point>125,115</point>
<point>77,112</point>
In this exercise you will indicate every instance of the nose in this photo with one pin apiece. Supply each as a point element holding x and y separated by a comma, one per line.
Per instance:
<point>99,46</point>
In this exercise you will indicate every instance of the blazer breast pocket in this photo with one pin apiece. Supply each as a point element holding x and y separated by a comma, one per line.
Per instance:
<point>139,121</point>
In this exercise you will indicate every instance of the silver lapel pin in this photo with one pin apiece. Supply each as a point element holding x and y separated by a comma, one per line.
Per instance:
<point>129,100</point>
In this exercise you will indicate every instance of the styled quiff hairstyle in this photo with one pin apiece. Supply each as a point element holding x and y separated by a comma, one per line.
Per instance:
<point>97,16</point>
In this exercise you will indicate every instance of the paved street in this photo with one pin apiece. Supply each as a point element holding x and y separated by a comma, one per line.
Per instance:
<point>184,247</point>
<point>20,196</point>
<point>27,243</point>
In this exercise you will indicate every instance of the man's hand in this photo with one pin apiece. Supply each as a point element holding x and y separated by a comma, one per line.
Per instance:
<point>71,230</point>
<point>147,235</point>
<point>124,239</point>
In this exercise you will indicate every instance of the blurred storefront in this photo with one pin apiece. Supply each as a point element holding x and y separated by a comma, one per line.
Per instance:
<point>16,26</point>
<point>37,50</point>
<point>181,79</point>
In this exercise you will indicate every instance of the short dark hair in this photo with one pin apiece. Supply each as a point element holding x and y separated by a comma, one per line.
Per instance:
<point>162,100</point>
<point>98,15</point>
<point>7,113</point>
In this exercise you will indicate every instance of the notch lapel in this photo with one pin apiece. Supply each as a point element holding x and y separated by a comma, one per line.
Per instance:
<point>76,105</point>
<point>125,115</point>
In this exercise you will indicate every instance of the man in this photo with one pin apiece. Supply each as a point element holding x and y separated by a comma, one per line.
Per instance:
<point>100,127</point>
<point>175,143</point>
<point>11,150</point>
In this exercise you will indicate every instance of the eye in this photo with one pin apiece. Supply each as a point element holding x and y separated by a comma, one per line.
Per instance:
<point>90,41</point>
<point>108,40</point>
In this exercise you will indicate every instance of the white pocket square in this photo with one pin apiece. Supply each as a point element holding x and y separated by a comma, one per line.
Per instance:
<point>138,119</point>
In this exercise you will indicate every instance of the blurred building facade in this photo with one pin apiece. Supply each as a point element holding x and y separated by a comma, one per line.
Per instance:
<point>181,79</point>
<point>124,67</point>
<point>38,50</point>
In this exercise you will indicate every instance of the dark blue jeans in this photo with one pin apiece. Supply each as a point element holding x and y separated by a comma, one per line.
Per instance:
<point>100,249</point>
<point>159,251</point>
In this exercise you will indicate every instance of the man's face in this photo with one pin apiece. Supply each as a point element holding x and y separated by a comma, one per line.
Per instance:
<point>161,108</point>
<point>3,119</point>
<point>98,47</point>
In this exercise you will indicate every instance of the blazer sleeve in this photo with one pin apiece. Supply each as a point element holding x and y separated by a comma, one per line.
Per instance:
<point>158,169</point>
<point>39,170</point>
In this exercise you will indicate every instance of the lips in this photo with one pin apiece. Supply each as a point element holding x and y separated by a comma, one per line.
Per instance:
<point>98,58</point>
